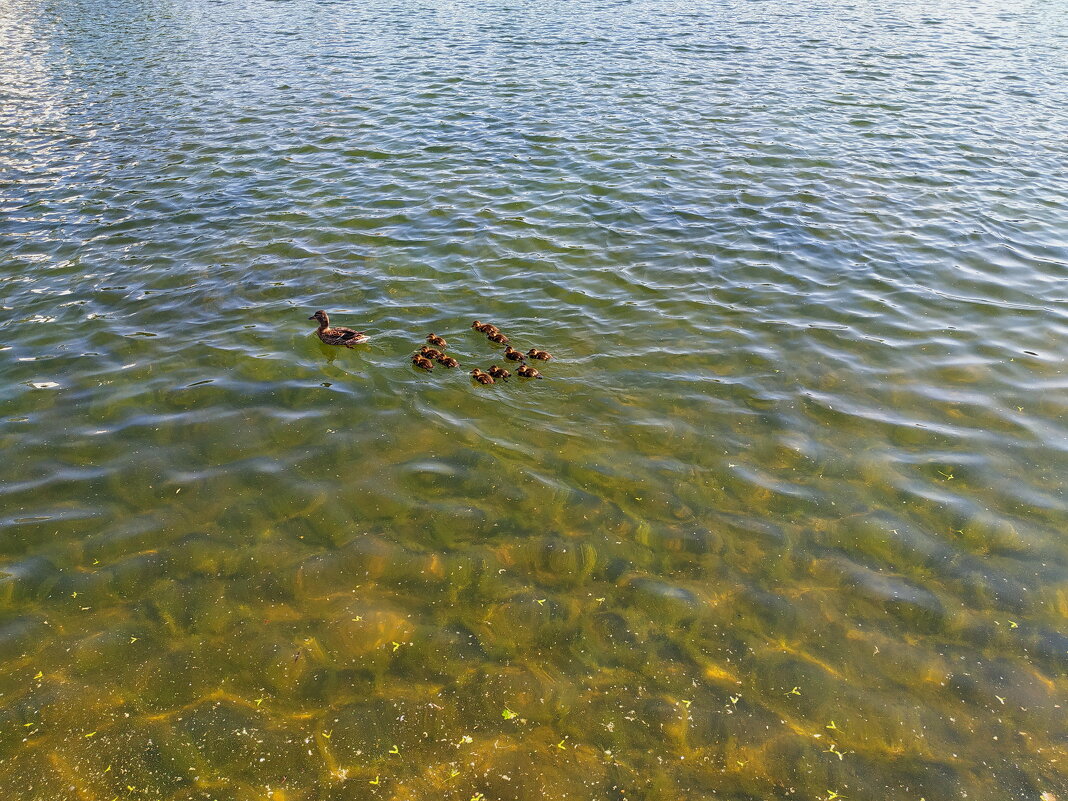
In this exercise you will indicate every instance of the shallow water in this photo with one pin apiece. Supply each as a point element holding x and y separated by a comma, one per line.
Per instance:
<point>784,520</point>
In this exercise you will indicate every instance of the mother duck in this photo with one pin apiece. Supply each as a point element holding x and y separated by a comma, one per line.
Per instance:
<point>336,336</point>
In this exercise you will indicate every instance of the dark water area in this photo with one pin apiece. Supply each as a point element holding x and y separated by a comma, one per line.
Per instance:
<point>785,519</point>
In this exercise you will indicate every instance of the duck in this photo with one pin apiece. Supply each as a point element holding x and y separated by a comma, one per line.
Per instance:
<point>447,361</point>
<point>527,371</point>
<point>485,328</point>
<point>497,337</point>
<point>544,355</point>
<point>336,336</point>
<point>422,362</point>
<point>430,353</point>
<point>481,377</point>
<point>513,354</point>
<point>499,372</point>
<point>437,341</point>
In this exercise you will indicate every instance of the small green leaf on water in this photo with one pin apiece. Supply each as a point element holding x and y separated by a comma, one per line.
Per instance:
<point>508,714</point>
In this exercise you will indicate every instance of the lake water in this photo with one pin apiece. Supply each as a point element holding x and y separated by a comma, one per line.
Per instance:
<point>785,518</point>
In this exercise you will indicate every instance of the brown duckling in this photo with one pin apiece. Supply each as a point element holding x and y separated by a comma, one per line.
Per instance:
<point>485,328</point>
<point>336,336</point>
<point>447,361</point>
<point>497,337</point>
<point>529,372</point>
<point>513,354</point>
<point>430,353</point>
<point>481,377</point>
<point>422,362</point>
<point>499,372</point>
<point>437,341</point>
<point>544,355</point>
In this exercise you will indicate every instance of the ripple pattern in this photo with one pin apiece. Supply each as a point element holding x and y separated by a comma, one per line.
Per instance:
<point>786,519</point>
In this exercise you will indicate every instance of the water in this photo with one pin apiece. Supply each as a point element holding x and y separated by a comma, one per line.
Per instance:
<point>784,520</point>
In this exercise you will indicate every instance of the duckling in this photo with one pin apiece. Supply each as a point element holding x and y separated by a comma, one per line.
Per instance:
<point>485,328</point>
<point>422,362</point>
<point>447,361</point>
<point>434,339</point>
<point>481,377</point>
<point>544,355</point>
<point>513,354</point>
<point>529,372</point>
<point>430,353</point>
<point>497,337</point>
<point>336,336</point>
<point>499,372</point>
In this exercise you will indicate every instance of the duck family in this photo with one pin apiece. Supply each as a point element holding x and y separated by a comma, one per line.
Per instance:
<point>434,350</point>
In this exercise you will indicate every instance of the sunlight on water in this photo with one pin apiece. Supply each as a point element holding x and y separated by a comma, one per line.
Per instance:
<point>785,518</point>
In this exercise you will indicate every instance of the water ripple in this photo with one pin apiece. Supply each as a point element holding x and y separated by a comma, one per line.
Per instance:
<point>784,517</point>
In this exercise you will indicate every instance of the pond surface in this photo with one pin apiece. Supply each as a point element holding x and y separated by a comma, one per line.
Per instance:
<point>785,518</point>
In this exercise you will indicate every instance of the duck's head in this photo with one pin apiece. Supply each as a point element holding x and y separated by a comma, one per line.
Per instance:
<point>321,317</point>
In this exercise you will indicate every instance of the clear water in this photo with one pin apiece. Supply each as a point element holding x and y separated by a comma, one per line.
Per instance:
<point>786,518</point>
